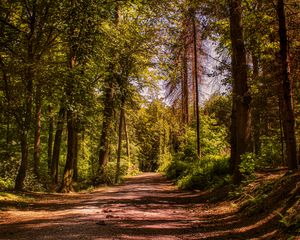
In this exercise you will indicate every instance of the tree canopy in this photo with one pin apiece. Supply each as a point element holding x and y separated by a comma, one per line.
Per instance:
<point>92,91</point>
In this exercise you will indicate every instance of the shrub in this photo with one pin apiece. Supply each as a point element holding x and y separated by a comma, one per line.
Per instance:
<point>193,173</point>
<point>207,172</point>
<point>270,152</point>
<point>6,183</point>
<point>176,169</point>
<point>248,165</point>
<point>31,183</point>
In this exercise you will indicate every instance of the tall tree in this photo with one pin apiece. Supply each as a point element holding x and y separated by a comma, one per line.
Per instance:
<point>57,143</point>
<point>50,138</point>
<point>117,176</point>
<point>28,32</point>
<point>240,129</point>
<point>286,90</point>
<point>108,102</point>
<point>81,30</point>
<point>37,135</point>
<point>196,82</point>
<point>107,119</point>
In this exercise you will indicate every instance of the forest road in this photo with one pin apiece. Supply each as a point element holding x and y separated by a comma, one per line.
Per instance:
<point>144,207</point>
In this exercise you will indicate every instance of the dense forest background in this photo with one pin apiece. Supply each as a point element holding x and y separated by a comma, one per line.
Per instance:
<point>93,90</point>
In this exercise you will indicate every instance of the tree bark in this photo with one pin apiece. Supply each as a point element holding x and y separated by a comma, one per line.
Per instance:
<point>233,139</point>
<point>108,108</point>
<point>196,85</point>
<point>37,136</point>
<point>76,150</point>
<point>241,124</point>
<point>50,139</point>
<point>24,121</point>
<point>288,118</point>
<point>106,125</point>
<point>67,180</point>
<point>69,166</point>
<point>19,184</point>
<point>256,112</point>
<point>185,90</point>
<point>117,177</point>
<point>24,126</point>
<point>127,138</point>
<point>57,144</point>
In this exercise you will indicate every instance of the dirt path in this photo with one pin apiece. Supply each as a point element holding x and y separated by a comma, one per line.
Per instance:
<point>145,207</point>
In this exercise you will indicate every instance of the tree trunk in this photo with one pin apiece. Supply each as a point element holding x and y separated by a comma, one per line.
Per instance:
<point>117,177</point>
<point>37,136</point>
<point>182,96</point>
<point>127,138</point>
<point>108,108</point>
<point>106,125</point>
<point>283,162</point>
<point>19,184</point>
<point>196,86</point>
<point>76,150</point>
<point>50,139</point>
<point>57,144</point>
<point>69,166</point>
<point>71,125</point>
<point>24,125</point>
<point>256,112</point>
<point>233,143</point>
<point>288,118</point>
<point>185,90</point>
<point>83,154</point>
<point>241,124</point>
<point>7,132</point>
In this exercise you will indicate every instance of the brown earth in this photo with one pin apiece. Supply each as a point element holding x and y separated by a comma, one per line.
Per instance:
<point>144,207</point>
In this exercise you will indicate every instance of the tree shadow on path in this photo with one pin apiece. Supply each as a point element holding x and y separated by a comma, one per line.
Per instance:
<point>146,206</point>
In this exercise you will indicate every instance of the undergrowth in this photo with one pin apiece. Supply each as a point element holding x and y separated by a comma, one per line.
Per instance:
<point>281,195</point>
<point>210,171</point>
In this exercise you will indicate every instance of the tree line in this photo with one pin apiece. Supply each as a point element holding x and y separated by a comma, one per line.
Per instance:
<point>80,89</point>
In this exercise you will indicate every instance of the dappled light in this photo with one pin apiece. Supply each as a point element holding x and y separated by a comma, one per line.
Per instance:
<point>149,119</point>
<point>146,206</point>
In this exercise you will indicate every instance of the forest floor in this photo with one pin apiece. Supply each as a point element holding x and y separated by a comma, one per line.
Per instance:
<point>145,207</point>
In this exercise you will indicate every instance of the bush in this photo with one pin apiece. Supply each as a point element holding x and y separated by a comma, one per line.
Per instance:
<point>270,152</point>
<point>107,175</point>
<point>6,184</point>
<point>207,172</point>
<point>31,183</point>
<point>176,169</point>
<point>248,165</point>
<point>193,173</point>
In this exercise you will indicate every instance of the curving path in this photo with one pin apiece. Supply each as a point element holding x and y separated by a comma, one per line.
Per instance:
<point>145,207</point>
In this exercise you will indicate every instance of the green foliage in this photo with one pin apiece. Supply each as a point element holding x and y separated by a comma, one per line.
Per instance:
<point>204,173</point>
<point>132,45</point>
<point>219,108</point>
<point>269,155</point>
<point>153,136</point>
<point>106,175</point>
<point>176,169</point>
<point>213,166</point>
<point>256,202</point>
<point>31,183</point>
<point>6,184</point>
<point>213,137</point>
<point>291,218</point>
<point>9,200</point>
<point>271,151</point>
<point>248,164</point>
